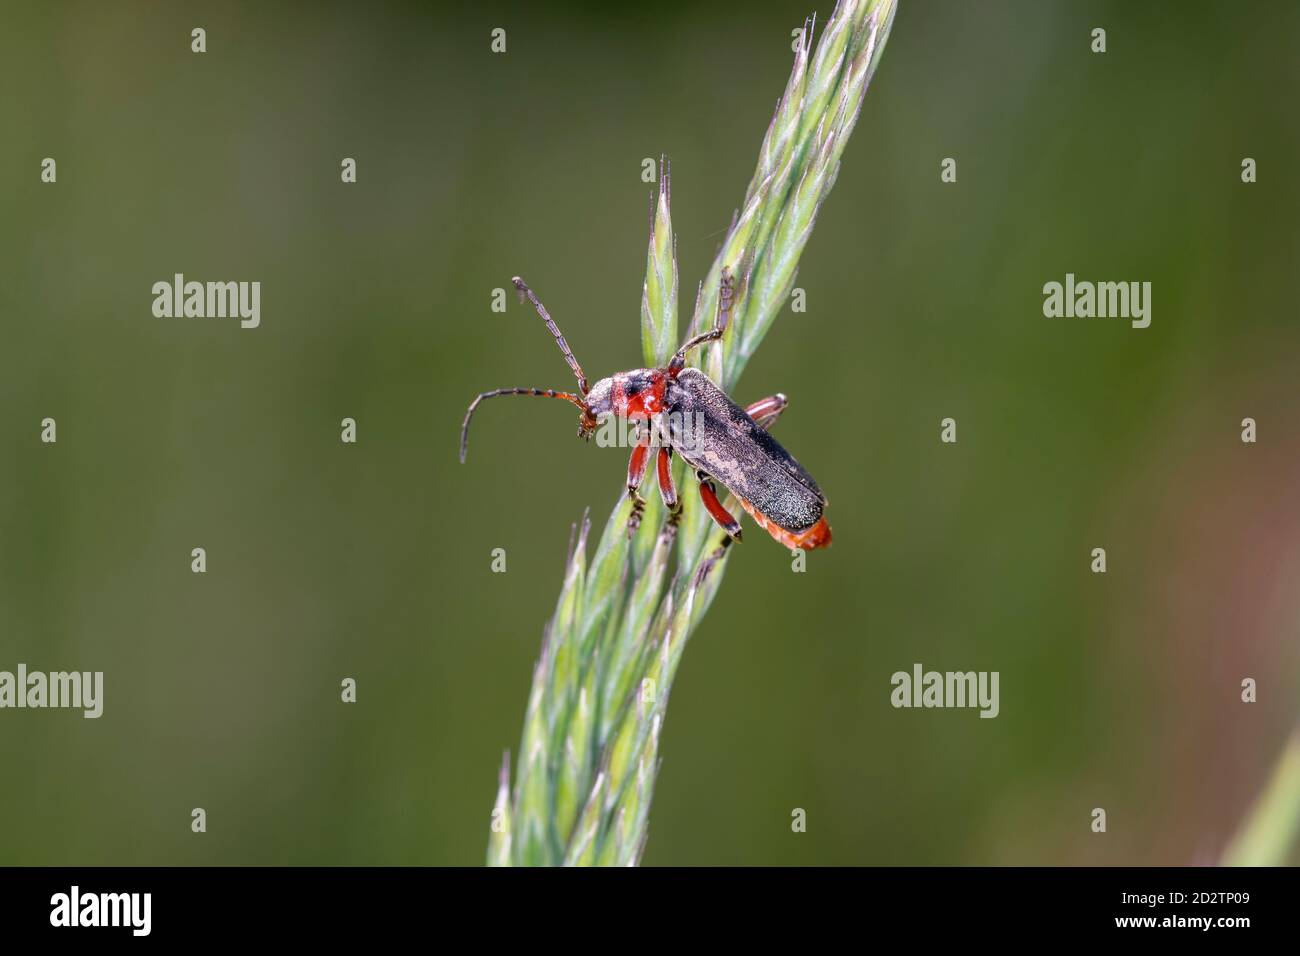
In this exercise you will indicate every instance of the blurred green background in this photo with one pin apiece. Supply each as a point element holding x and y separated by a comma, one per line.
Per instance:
<point>372,560</point>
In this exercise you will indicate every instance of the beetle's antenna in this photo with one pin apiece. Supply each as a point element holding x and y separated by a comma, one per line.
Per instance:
<point>715,333</point>
<point>527,293</point>
<point>725,287</point>
<point>539,392</point>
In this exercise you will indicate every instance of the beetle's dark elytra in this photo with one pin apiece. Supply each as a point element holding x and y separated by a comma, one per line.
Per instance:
<point>740,454</point>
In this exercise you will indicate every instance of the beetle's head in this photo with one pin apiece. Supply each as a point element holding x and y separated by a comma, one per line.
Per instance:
<point>632,394</point>
<point>600,400</point>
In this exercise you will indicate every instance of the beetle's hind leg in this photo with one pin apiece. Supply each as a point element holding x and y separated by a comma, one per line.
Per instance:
<point>709,495</point>
<point>636,469</point>
<point>766,411</point>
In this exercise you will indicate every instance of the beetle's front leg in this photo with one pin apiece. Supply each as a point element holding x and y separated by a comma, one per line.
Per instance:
<point>709,495</point>
<point>636,468</point>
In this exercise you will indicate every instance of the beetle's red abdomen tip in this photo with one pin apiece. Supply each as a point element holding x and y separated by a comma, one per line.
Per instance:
<point>818,536</point>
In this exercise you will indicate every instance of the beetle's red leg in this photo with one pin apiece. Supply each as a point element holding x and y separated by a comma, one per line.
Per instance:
<point>766,411</point>
<point>668,490</point>
<point>636,468</point>
<point>709,495</point>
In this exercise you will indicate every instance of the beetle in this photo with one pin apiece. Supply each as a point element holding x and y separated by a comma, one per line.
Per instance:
<point>716,437</point>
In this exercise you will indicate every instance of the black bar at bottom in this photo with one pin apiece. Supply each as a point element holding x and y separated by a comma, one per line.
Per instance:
<point>334,905</point>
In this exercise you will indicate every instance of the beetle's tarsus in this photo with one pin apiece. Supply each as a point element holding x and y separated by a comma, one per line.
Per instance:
<point>669,531</point>
<point>672,522</point>
<point>638,510</point>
